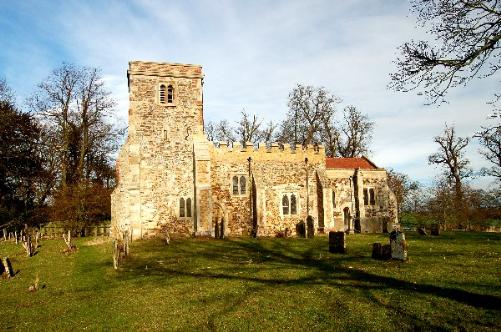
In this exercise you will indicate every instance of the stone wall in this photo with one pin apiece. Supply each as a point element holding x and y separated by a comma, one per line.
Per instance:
<point>167,157</point>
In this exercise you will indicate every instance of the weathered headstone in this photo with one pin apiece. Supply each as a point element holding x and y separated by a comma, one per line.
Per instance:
<point>301,229</point>
<point>377,250</point>
<point>4,234</point>
<point>310,227</point>
<point>337,242</point>
<point>435,229</point>
<point>398,245</point>
<point>386,251</point>
<point>9,272</point>
<point>421,231</point>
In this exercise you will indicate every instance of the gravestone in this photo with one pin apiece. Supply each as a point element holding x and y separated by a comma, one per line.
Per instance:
<point>398,245</point>
<point>7,266</point>
<point>377,250</point>
<point>386,252</point>
<point>301,229</point>
<point>310,227</point>
<point>435,229</point>
<point>337,242</point>
<point>422,231</point>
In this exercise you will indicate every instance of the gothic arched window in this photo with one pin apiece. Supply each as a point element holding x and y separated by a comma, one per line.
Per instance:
<point>161,94</point>
<point>170,94</point>
<point>235,185</point>
<point>181,207</point>
<point>293,204</point>
<point>188,207</point>
<point>285,204</point>
<point>242,185</point>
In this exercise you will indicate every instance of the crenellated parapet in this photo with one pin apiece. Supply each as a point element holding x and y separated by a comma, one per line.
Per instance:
<point>268,152</point>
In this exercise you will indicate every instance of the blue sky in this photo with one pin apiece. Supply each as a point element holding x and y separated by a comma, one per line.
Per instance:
<point>253,53</point>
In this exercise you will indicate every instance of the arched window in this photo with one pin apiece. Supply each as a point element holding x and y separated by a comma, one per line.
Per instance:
<point>181,207</point>
<point>285,205</point>
<point>235,185</point>
<point>366,196</point>
<point>293,204</point>
<point>242,185</point>
<point>170,94</point>
<point>372,197</point>
<point>333,199</point>
<point>162,94</point>
<point>188,207</point>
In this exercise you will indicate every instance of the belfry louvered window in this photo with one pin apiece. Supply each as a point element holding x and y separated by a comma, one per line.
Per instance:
<point>170,94</point>
<point>161,94</point>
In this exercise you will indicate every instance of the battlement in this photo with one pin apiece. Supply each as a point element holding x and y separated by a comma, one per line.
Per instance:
<point>164,69</point>
<point>264,152</point>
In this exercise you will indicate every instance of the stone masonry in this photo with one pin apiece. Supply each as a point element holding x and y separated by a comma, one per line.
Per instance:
<point>170,176</point>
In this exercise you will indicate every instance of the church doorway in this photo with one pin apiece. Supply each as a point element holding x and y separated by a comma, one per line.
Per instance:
<point>347,217</point>
<point>219,221</point>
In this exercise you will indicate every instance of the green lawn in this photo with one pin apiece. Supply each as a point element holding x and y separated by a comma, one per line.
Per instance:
<point>450,282</point>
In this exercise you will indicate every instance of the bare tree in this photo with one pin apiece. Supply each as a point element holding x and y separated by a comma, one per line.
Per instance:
<point>309,109</point>
<point>267,135</point>
<point>247,129</point>
<point>210,130</point>
<point>355,133</point>
<point>401,185</point>
<point>451,156</point>
<point>490,139</point>
<point>467,46</point>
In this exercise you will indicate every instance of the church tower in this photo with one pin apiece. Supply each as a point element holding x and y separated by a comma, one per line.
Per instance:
<point>155,165</point>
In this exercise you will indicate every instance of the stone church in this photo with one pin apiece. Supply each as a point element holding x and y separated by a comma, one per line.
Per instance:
<point>170,176</point>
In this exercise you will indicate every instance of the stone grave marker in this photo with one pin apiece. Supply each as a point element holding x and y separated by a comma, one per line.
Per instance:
<point>422,231</point>
<point>386,251</point>
<point>337,243</point>
<point>377,250</point>
<point>310,227</point>
<point>7,266</point>
<point>435,229</point>
<point>301,229</point>
<point>398,245</point>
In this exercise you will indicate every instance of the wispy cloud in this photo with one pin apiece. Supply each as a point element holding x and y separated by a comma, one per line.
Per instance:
<point>253,53</point>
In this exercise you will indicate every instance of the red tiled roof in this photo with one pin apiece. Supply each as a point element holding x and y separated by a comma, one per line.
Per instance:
<point>350,163</point>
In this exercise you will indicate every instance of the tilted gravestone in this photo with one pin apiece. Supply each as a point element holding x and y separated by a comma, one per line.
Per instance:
<point>337,242</point>
<point>310,227</point>
<point>301,229</point>
<point>398,245</point>
<point>422,231</point>
<point>7,266</point>
<point>435,229</point>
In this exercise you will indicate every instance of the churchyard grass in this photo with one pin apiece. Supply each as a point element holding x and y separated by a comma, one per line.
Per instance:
<point>450,282</point>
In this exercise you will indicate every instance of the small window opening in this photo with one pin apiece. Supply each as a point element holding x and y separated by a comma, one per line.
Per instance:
<point>285,205</point>
<point>293,204</point>
<point>162,94</point>
<point>372,197</point>
<point>170,94</point>
<point>188,207</point>
<point>235,185</point>
<point>242,185</point>
<point>181,207</point>
<point>366,197</point>
<point>333,199</point>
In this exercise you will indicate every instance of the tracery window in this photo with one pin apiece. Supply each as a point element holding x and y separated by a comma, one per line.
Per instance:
<point>185,207</point>
<point>289,204</point>
<point>239,185</point>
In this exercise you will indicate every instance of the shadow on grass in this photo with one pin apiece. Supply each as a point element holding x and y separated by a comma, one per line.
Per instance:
<point>235,256</point>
